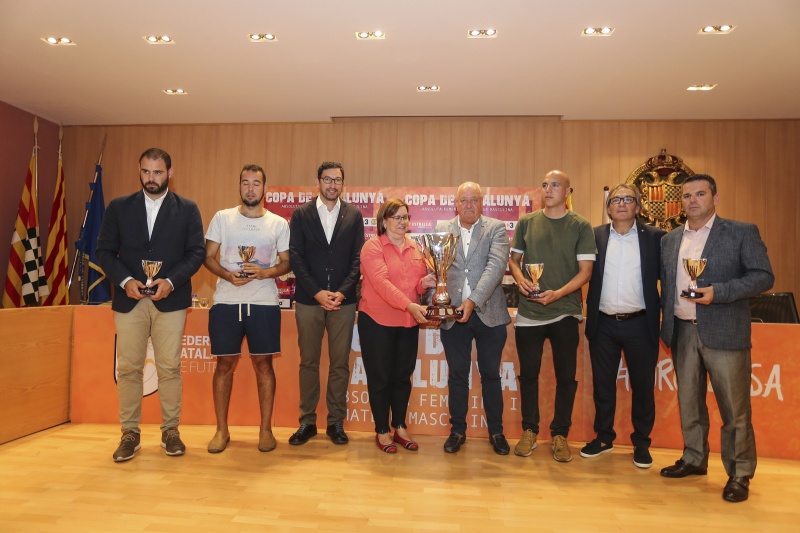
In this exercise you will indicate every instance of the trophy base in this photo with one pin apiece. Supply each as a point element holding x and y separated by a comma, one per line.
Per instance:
<point>692,295</point>
<point>443,312</point>
<point>534,296</point>
<point>148,291</point>
<point>242,275</point>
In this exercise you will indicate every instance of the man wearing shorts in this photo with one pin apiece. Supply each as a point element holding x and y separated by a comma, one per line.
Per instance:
<point>246,299</point>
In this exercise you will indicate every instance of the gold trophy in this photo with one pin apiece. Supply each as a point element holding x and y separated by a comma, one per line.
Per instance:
<point>246,253</point>
<point>150,268</point>
<point>439,251</point>
<point>534,271</point>
<point>693,267</point>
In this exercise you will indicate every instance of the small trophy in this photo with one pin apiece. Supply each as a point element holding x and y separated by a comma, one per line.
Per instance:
<point>534,271</point>
<point>150,268</point>
<point>693,267</point>
<point>439,251</point>
<point>246,253</point>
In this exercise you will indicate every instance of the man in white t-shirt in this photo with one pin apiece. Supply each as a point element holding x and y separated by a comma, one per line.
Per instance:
<point>247,247</point>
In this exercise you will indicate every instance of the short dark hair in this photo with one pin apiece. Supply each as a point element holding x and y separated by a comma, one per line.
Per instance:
<point>329,165</point>
<point>703,177</point>
<point>156,154</point>
<point>388,209</point>
<point>253,168</point>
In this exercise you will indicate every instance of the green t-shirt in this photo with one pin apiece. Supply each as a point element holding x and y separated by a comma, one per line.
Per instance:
<point>556,242</point>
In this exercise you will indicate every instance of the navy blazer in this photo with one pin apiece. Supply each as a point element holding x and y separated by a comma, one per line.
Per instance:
<point>650,259</point>
<point>177,241</point>
<point>318,265</point>
<point>738,267</point>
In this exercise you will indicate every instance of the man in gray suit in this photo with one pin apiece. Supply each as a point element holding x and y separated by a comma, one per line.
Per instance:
<point>474,283</point>
<point>710,335</point>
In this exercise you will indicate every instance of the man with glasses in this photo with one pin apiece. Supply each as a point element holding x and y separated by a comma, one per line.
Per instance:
<point>324,246</point>
<point>562,241</point>
<point>474,283</point>
<point>623,311</point>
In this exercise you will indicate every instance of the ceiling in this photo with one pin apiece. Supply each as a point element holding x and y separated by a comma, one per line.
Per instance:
<point>539,64</point>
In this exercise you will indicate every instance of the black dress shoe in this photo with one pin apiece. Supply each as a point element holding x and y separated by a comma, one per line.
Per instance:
<point>736,489</point>
<point>500,444</point>
<point>337,434</point>
<point>454,442</point>
<point>304,432</point>
<point>683,469</point>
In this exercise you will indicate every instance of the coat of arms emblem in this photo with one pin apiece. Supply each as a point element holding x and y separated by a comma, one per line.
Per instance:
<point>659,181</point>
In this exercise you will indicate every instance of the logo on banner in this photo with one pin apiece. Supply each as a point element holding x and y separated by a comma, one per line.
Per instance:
<point>150,375</point>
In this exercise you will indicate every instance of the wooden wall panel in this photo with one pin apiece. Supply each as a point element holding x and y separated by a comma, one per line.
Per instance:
<point>749,159</point>
<point>35,369</point>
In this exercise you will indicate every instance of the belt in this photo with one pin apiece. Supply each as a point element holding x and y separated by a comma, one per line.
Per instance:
<point>692,321</point>
<point>624,316</point>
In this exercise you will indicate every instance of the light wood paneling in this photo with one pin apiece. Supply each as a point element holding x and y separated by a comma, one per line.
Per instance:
<point>34,369</point>
<point>749,159</point>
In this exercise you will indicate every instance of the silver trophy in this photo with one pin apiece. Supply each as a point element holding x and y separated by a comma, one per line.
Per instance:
<point>150,268</point>
<point>693,267</point>
<point>534,271</point>
<point>246,253</point>
<point>439,251</point>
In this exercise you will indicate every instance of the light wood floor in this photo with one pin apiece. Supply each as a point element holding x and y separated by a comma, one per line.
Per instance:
<point>64,480</point>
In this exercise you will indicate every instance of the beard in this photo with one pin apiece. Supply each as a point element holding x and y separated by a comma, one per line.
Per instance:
<point>252,203</point>
<point>153,187</point>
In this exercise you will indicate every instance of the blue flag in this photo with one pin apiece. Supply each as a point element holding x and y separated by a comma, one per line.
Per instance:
<point>98,287</point>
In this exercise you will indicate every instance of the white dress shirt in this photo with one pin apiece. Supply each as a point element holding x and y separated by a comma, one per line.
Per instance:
<point>622,276</point>
<point>692,244</point>
<point>328,218</point>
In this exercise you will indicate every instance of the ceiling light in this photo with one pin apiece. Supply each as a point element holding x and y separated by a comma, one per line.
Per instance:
<point>482,34</point>
<point>262,37</point>
<point>701,87</point>
<point>175,91</point>
<point>603,31</point>
<point>363,35</point>
<point>58,40</point>
<point>427,88</point>
<point>158,39</point>
<point>716,30</point>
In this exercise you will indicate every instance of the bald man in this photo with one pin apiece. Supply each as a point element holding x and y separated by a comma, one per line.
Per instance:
<point>563,242</point>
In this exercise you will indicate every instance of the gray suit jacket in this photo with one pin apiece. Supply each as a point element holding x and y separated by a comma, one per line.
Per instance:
<point>484,267</point>
<point>738,268</point>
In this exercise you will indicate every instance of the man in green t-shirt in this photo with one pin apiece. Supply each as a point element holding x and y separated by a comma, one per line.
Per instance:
<point>563,242</point>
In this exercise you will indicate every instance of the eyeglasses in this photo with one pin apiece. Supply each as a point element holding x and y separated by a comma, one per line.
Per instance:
<point>401,218</point>
<point>328,180</point>
<point>624,199</point>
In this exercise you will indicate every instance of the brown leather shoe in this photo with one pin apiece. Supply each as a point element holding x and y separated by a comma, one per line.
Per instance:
<point>266,441</point>
<point>219,442</point>
<point>683,469</point>
<point>737,489</point>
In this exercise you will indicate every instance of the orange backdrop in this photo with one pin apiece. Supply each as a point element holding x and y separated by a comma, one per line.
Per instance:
<point>775,379</point>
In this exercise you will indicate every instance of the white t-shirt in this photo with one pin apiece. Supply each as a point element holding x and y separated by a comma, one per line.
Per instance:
<point>269,234</point>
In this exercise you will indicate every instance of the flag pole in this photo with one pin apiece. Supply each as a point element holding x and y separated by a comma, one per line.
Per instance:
<point>85,216</point>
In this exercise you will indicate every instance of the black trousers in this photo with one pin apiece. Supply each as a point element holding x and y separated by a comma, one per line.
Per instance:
<point>489,342</point>
<point>564,340</point>
<point>389,355</point>
<point>641,356</point>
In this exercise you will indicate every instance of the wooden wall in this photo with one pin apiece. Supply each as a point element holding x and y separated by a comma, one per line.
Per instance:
<point>755,162</point>
<point>35,369</point>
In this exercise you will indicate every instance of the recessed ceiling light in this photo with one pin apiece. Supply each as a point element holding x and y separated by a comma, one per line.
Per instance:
<point>701,87</point>
<point>158,39</point>
<point>482,34</point>
<point>262,37</point>
<point>716,30</point>
<point>427,88</point>
<point>58,40</point>
<point>365,35</point>
<point>175,91</point>
<point>603,31</point>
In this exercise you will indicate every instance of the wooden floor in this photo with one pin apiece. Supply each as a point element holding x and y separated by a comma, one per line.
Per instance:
<point>64,480</point>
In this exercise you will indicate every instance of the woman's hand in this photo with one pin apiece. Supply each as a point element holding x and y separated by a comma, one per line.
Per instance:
<point>418,312</point>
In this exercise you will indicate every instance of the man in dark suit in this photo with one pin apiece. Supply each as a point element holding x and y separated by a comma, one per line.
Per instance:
<point>324,252</point>
<point>710,335</point>
<point>153,224</point>
<point>623,312</point>
<point>474,284</point>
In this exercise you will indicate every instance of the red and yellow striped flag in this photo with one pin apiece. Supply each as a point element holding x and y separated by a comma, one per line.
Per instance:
<point>25,281</point>
<point>56,264</point>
